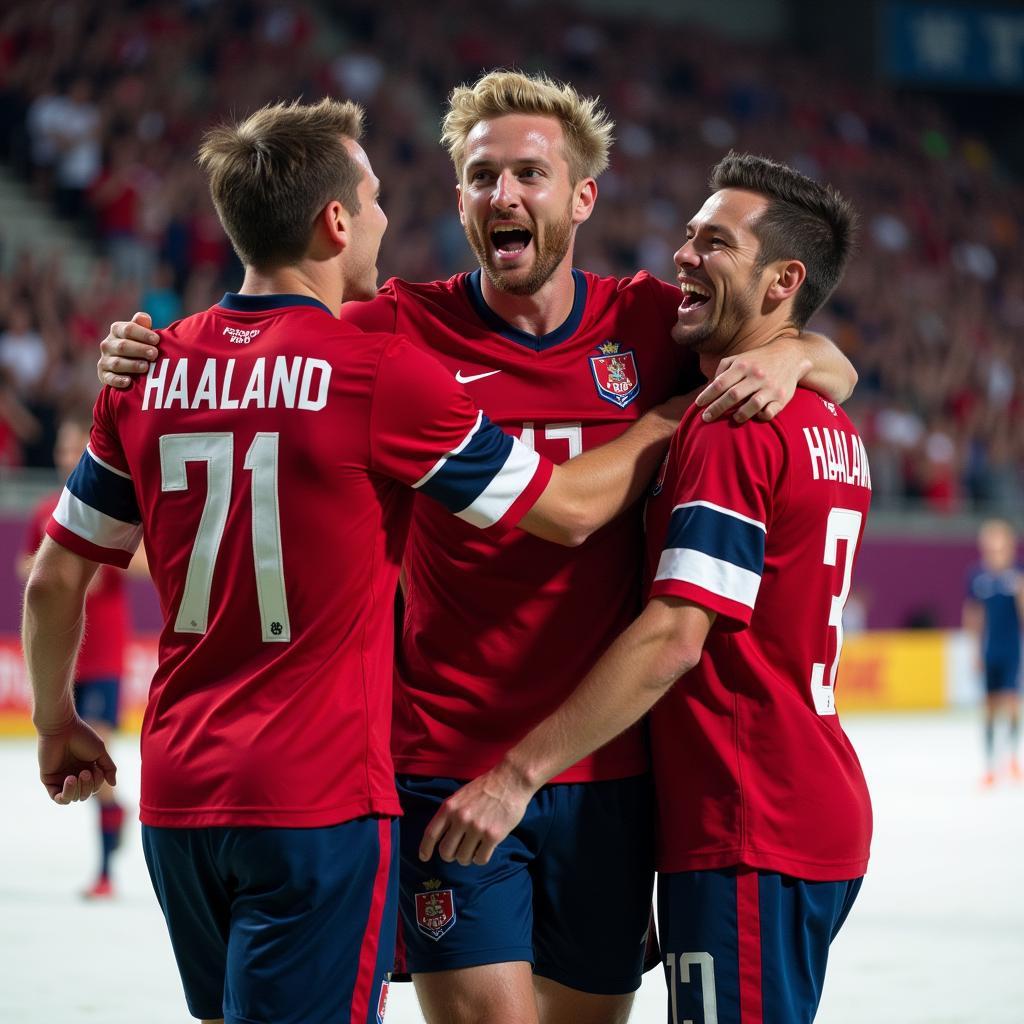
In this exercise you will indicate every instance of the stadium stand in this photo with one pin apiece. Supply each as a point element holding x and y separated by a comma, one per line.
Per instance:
<point>102,106</point>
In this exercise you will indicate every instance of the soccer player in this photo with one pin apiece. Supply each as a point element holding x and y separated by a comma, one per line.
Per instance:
<point>764,818</point>
<point>993,614</point>
<point>100,662</point>
<point>270,457</point>
<point>498,631</point>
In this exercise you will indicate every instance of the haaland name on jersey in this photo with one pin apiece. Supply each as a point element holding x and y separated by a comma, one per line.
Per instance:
<point>295,383</point>
<point>835,455</point>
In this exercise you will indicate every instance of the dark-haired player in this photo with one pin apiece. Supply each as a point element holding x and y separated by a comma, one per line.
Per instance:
<point>764,819</point>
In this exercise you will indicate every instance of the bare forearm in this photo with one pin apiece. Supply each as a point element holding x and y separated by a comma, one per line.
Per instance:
<point>592,489</point>
<point>830,374</point>
<point>632,675</point>
<point>51,635</point>
<point>52,629</point>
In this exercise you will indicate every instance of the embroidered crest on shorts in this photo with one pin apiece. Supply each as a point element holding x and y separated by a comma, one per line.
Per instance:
<point>615,374</point>
<point>382,1000</point>
<point>435,909</point>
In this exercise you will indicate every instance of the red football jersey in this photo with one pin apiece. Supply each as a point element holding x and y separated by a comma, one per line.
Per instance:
<point>271,455</point>
<point>761,523</point>
<point>101,655</point>
<point>499,630</point>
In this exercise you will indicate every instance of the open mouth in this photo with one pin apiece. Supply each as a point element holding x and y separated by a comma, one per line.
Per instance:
<point>510,241</point>
<point>694,296</point>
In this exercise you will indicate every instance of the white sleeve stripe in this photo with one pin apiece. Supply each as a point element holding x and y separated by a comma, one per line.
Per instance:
<point>106,465</point>
<point>711,574</point>
<point>94,526</point>
<point>724,511</point>
<point>505,487</point>
<point>439,465</point>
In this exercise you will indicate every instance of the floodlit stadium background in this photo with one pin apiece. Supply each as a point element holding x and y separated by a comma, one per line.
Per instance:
<point>912,109</point>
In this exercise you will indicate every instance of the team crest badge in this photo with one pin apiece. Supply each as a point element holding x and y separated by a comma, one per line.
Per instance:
<point>382,1000</point>
<point>615,374</point>
<point>435,910</point>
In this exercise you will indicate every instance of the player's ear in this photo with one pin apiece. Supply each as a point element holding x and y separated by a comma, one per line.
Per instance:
<point>786,278</point>
<point>334,224</point>
<point>586,196</point>
<point>462,212</point>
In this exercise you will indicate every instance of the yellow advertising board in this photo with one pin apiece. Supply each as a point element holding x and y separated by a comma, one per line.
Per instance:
<point>898,671</point>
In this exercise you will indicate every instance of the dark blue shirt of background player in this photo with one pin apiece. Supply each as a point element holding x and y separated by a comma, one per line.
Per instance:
<point>996,593</point>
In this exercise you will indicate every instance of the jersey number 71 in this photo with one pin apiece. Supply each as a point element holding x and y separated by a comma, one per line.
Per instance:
<point>217,451</point>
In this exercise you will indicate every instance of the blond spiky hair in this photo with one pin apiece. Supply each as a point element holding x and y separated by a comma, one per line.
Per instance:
<point>587,126</point>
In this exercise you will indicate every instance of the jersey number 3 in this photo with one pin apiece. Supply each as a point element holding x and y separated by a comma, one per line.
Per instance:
<point>843,525</point>
<point>217,451</point>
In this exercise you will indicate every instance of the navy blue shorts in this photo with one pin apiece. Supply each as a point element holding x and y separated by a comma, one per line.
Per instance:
<point>747,947</point>
<point>569,891</point>
<point>1002,676</point>
<point>98,700</point>
<point>280,925</point>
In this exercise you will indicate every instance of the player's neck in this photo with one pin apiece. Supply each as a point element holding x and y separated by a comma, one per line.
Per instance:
<point>541,312</point>
<point>753,334</point>
<point>294,280</point>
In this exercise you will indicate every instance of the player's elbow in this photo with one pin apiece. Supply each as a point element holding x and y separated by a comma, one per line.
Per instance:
<point>44,591</point>
<point>58,582</point>
<point>561,520</point>
<point>573,535</point>
<point>680,646</point>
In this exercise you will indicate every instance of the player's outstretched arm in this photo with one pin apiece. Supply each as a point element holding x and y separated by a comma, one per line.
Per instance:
<point>73,761</point>
<point>127,351</point>
<point>760,382</point>
<point>637,670</point>
<point>591,489</point>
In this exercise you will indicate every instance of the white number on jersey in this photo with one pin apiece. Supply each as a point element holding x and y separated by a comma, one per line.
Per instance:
<point>679,974</point>
<point>217,451</point>
<point>571,433</point>
<point>843,525</point>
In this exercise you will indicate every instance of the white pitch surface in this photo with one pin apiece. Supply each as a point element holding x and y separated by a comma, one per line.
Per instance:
<point>936,937</point>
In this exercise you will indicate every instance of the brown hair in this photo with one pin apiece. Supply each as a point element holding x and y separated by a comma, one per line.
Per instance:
<point>804,221</point>
<point>587,126</point>
<point>271,174</point>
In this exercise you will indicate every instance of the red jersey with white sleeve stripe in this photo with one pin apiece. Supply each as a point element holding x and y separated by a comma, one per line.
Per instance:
<point>760,523</point>
<point>105,636</point>
<point>271,456</point>
<point>500,629</point>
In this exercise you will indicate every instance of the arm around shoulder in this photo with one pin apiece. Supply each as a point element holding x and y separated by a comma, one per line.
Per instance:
<point>592,489</point>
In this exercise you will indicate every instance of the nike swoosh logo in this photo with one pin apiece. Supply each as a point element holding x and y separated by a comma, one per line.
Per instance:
<point>464,379</point>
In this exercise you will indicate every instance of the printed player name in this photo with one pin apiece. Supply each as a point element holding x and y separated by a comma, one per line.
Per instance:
<point>835,455</point>
<point>296,383</point>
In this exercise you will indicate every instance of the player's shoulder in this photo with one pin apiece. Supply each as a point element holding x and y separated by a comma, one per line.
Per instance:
<point>397,297</point>
<point>641,287</point>
<point>719,439</point>
<point>446,294</point>
<point>809,409</point>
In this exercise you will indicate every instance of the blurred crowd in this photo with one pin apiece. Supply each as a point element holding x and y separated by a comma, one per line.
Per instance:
<point>102,106</point>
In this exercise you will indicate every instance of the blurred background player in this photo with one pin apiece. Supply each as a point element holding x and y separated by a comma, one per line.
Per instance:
<point>993,614</point>
<point>764,819</point>
<point>100,663</point>
<point>498,630</point>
